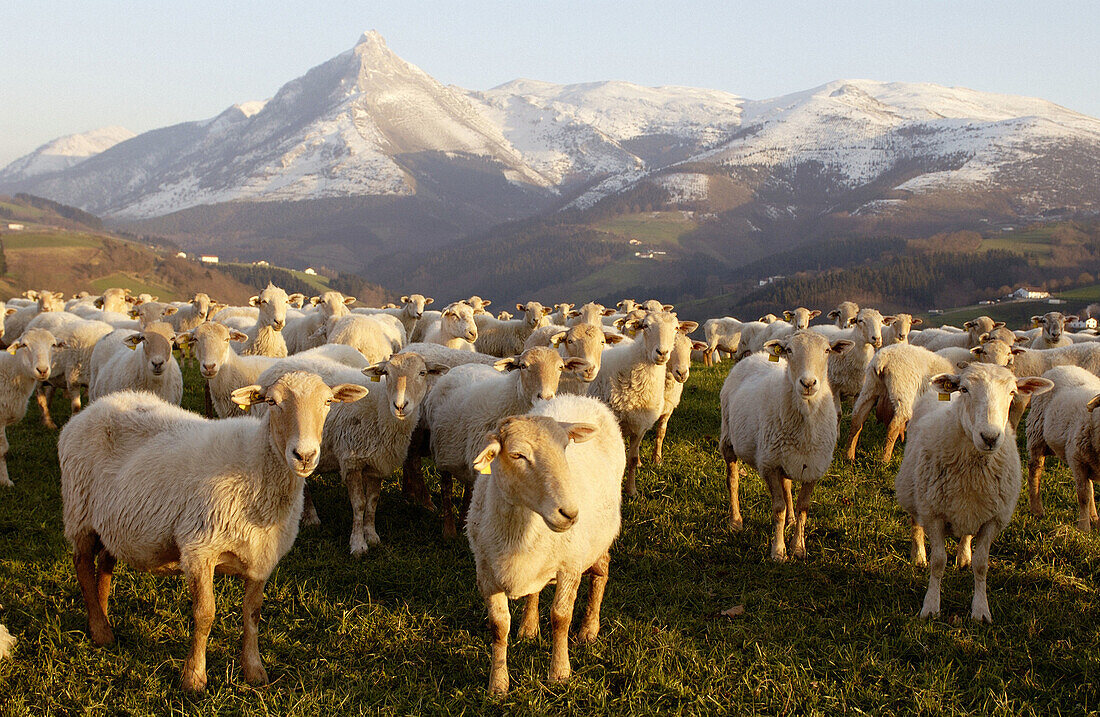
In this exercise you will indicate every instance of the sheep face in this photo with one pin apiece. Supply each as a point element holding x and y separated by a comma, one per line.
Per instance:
<point>212,345</point>
<point>114,299</point>
<point>201,303</point>
<point>903,323</point>
<point>299,402</point>
<point>477,303</point>
<point>156,347</point>
<point>413,305</point>
<point>844,314</point>
<point>985,396</point>
<point>996,352</point>
<point>655,306</point>
<point>626,305</point>
<point>590,313</point>
<point>868,324</point>
<point>657,331</point>
<point>801,317</point>
<point>332,303</point>
<point>585,341</point>
<point>1053,323</point>
<point>979,326</point>
<point>768,319</point>
<point>34,349</point>
<point>534,313</point>
<point>51,301</point>
<point>459,318</point>
<point>407,377</point>
<point>272,303</point>
<point>540,370</point>
<point>679,364</point>
<point>807,354</point>
<point>149,312</point>
<point>531,468</point>
<point>1002,334</point>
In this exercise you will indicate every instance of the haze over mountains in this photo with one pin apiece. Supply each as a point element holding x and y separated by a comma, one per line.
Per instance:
<point>366,156</point>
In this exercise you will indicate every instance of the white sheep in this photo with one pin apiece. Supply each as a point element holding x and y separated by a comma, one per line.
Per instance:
<point>1053,334</point>
<point>560,314</point>
<point>844,314</point>
<point>115,300</point>
<point>124,360</point>
<point>456,328</point>
<point>26,361</point>
<point>265,337</point>
<point>677,371</point>
<point>7,642</point>
<point>632,380</point>
<point>898,331</point>
<point>468,402</point>
<point>752,339</point>
<point>846,369</point>
<point>376,337</point>
<point>591,313</point>
<point>505,338</point>
<point>72,364</point>
<point>583,341</point>
<point>479,304</point>
<point>150,312</point>
<point>16,323</point>
<point>1064,423</point>
<point>936,339</point>
<point>723,335</point>
<point>961,472</point>
<point>546,510</point>
<point>166,490</point>
<point>778,416</point>
<point>190,314</point>
<point>408,314</point>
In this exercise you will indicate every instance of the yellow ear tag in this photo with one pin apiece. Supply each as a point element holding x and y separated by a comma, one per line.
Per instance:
<point>945,397</point>
<point>375,379</point>
<point>242,406</point>
<point>773,358</point>
<point>631,333</point>
<point>485,469</point>
<point>12,350</point>
<point>132,347</point>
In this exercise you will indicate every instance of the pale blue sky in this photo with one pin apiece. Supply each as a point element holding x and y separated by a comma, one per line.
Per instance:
<point>74,65</point>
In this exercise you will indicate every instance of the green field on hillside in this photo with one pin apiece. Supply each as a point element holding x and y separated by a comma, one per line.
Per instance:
<point>652,229</point>
<point>136,286</point>
<point>403,630</point>
<point>49,240</point>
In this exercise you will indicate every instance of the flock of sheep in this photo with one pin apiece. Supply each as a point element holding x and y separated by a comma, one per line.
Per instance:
<point>538,415</point>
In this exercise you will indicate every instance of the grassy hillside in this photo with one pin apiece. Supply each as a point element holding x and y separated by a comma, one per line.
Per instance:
<point>403,631</point>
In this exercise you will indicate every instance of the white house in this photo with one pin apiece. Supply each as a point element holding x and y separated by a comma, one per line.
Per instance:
<point>1025,293</point>
<point>311,271</point>
<point>1082,324</point>
<point>181,254</point>
<point>16,227</point>
<point>208,258</point>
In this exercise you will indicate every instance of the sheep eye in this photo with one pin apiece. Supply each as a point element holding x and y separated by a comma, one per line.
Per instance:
<point>423,373</point>
<point>517,456</point>
<point>1012,393</point>
<point>963,389</point>
<point>328,401</point>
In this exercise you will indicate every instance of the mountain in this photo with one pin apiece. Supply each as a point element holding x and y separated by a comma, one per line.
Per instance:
<point>63,153</point>
<point>369,163</point>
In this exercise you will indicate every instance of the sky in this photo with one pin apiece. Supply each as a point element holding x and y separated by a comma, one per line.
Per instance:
<point>72,65</point>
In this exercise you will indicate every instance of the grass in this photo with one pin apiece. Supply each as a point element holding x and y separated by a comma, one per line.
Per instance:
<point>123,280</point>
<point>404,631</point>
<point>48,240</point>
<point>652,229</point>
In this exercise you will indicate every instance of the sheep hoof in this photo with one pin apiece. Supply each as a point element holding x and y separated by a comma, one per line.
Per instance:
<point>358,548</point>
<point>779,556</point>
<point>1085,525</point>
<point>528,633</point>
<point>498,685</point>
<point>255,675</point>
<point>657,459</point>
<point>310,519</point>
<point>981,615</point>
<point>559,674</point>
<point>928,613</point>
<point>6,482</point>
<point>193,681</point>
<point>373,539</point>
<point>1038,511</point>
<point>588,634</point>
<point>962,561</point>
<point>799,551</point>
<point>101,634</point>
<point>736,524</point>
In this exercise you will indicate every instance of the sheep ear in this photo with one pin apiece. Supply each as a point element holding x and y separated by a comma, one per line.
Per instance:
<point>775,347</point>
<point>254,301</point>
<point>977,350</point>
<point>183,339</point>
<point>698,346</point>
<point>573,314</point>
<point>839,347</point>
<point>577,365</point>
<point>579,432</point>
<point>1021,340</point>
<point>916,322</point>
<point>815,313</point>
<point>507,364</point>
<point>376,370</point>
<point>132,313</point>
<point>1073,317</point>
<point>98,303</point>
<point>488,452</point>
<point>437,369</point>
<point>984,338</point>
<point>154,298</point>
<point>348,392</point>
<point>968,325</point>
<point>484,302</point>
<point>235,335</point>
<point>608,312</point>
<point>852,321</point>
<point>887,320</point>
<point>620,323</point>
<point>961,364</point>
<point>247,396</point>
<point>14,347</point>
<point>686,327</point>
<point>133,340</point>
<point>1017,350</point>
<point>9,312</point>
<point>1034,385</point>
<point>946,382</point>
<point>314,300</point>
<point>668,307</point>
<point>349,300</point>
<point>296,299</point>
<point>999,325</point>
<point>788,315</point>
<point>612,338</point>
<point>1093,403</point>
<point>521,308</point>
<point>557,338</point>
<point>404,299</point>
<point>168,311</point>
<point>546,310</point>
<point>834,314</point>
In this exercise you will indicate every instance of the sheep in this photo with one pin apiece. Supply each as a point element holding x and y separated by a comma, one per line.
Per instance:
<point>654,306</point>
<point>373,336</point>
<point>436,353</point>
<point>7,642</point>
<point>26,361</point>
<point>768,319</point>
<point>780,419</point>
<point>368,440</point>
<point>468,402</point>
<point>1036,362</point>
<point>1053,330</point>
<point>632,380</point>
<point>409,314</point>
<point>149,312</point>
<point>456,328</point>
<point>45,301</point>
<point>560,314</point>
<point>752,333</point>
<point>547,510</point>
<point>225,371</point>
<point>543,336</point>
<point>115,300</point>
<point>580,341</point>
<point>165,490</point>
<point>478,304</point>
<point>153,368</point>
<point>677,371</point>
<point>626,306</point>
<point>504,316</point>
<point>591,313</point>
<point>189,315</point>
<point>723,335</point>
<point>72,364</point>
<point>1062,423</point>
<point>844,314</point>
<point>846,369</point>
<point>961,471</point>
<point>505,338</point>
<point>265,336</point>
<point>935,339</point>
<point>898,331</point>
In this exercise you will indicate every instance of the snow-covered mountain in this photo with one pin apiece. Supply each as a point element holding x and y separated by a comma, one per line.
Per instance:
<point>64,152</point>
<point>369,125</point>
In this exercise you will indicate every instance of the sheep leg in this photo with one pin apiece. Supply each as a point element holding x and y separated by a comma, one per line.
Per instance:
<point>353,477</point>
<point>598,575</point>
<point>446,497</point>
<point>633,460</point>
<point>200,579</point>
<point>659,439</point>
<point>779,514</point>
<point>561,617</point>
<point>979,607</point>
<point>85,549</point>
<point>916,550</point>
<point>529,627</point>
<point>1085,501</point>
<point>251,664</point>
<point>893,433</point>
<point>708,359</point>
<point>500,622</point>
<point>804,494</point>
<point>1036,459</point>
<point>1092,501</point>
<point>72,390</point>
<point>105,569</point>
<point>733,479</point>
<point>860,412</point>
<point>4,479</point>
<point>931,605</point>
<point>44,395</point>
<point>412,474</point>
<point>372,484</point>
<point>788,498</point>
<point>309,511</point>
<point>207,401</point>
<point>965,552</point>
